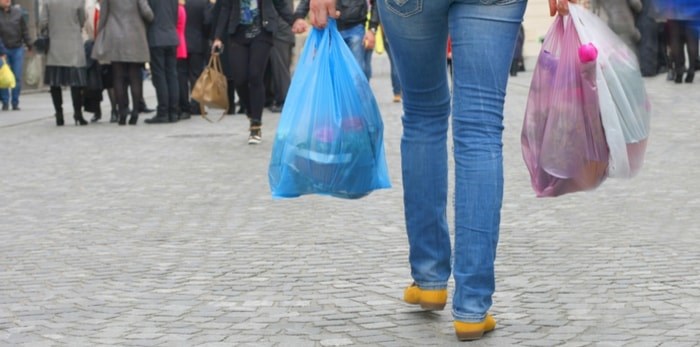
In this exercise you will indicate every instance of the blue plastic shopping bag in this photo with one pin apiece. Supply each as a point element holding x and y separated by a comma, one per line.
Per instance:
<point>330,136</point>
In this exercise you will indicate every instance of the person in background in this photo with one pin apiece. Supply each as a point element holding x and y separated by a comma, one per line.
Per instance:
<point>65,63</point>
<point>163,42</point>
<point>395,82</point>
<point>182,69</point>
<point>143,107</point>
<point>15,36</point>
<point>225,53</point>
<point>351,24</point>
<point>121,40</point>
<point>249,27</point>
<point>197,38</point>
<point>518,63</point>
<point>483,34</point>
<point>370,40</point>
<point>107,73</point>
<point>3,50</point>
<point>682,17</point>
<point>280,63</point>
<point>92,94</point>
<point>682,36</point>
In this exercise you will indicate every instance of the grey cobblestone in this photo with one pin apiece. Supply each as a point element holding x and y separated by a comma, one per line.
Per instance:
<point>167,236</point>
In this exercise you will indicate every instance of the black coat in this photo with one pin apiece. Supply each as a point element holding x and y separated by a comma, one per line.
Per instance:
<point>352,13</point>
<point>284,30</point>
<point>163,30</point>
<point>196,28</point>
<point>230,16</point>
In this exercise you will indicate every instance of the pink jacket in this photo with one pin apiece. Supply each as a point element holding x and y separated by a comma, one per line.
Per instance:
<point>181,20</point>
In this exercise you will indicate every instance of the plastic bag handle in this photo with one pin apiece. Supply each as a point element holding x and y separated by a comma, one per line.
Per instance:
<point>321,34</point>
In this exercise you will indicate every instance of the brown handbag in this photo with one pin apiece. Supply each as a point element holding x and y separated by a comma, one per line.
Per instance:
<point>211,88</point>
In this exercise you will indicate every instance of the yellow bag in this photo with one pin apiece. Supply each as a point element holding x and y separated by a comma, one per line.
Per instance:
<point>211,88</point>
<point>379,41</point>
<point>378,36</point>
<point>7,78</point>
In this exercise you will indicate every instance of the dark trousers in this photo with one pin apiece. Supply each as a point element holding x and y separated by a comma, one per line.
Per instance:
<point>248,60</point>
<point>127,76</point>
<point>195,66</point>
<point>164,76</point>
<point>682,33</point>
<point>280,61</point>
<point>183,79</point>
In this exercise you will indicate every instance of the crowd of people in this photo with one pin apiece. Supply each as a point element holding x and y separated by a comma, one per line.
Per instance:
<point>98,47</point>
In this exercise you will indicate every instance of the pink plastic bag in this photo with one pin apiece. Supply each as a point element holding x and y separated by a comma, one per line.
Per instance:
<point>563,140</point>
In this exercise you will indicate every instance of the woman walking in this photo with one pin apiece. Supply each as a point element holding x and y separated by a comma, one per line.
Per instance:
<point>247,26</point>
<point>121,40</point>
<point>65,64</point>
<point>483,35</point>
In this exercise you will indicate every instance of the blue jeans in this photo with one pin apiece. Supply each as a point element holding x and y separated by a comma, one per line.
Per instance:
<point>483,39</point>
<point>15,57</point>
<point>395,82</point>
<point>354,37</point>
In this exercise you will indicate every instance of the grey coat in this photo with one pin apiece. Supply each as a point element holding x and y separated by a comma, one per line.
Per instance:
<point>121,32</point>
<point>64,20</point>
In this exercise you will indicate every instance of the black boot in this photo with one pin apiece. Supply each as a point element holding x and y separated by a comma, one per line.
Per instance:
<point>679,77</point>
<point>79,120</point>
<point>57,99</point>
<point>114,117</point>
<point>77,96</point>
<point>96,117</point>
<point>59,119</point>
<point>134,118</point>
<point>143,108</point>
<point>158,119</point>
<point>122,116</point>
<point>689,77</point>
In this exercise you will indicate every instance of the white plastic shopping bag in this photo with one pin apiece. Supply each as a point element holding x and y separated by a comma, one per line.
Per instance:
<point>625,108</point>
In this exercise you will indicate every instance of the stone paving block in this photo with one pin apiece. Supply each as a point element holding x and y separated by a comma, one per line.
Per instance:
<point>336,342</point>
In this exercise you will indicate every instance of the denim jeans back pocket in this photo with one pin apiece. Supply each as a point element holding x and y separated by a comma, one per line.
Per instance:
<point>405,8</point>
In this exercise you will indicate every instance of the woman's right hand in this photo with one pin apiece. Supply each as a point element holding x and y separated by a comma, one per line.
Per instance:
<point>216,46</point>
<point>320,11</point>
<point>560,6</point>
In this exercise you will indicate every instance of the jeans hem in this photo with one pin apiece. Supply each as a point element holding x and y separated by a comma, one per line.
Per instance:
<point>431,285</point>
<point>468,317</point>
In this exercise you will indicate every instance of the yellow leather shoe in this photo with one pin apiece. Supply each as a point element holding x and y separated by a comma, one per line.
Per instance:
<point>433,300</point>
<point>474,331</point>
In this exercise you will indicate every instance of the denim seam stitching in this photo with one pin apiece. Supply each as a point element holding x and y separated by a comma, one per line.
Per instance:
<point>391,8</point>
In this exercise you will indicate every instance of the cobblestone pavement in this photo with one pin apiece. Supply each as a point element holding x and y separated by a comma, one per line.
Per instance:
<point>167,235</point>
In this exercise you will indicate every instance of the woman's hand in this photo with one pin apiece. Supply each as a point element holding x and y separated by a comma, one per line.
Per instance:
<point>320,10</point>
<point>560,6</point>
<point>216,46</point>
